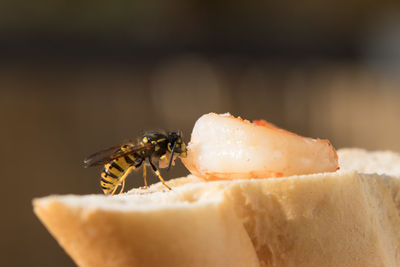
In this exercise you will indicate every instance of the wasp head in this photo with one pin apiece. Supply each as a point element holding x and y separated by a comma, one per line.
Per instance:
<point>176,144</point>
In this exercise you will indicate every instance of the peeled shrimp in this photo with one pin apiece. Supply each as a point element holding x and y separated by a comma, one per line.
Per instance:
<point>225,147</point>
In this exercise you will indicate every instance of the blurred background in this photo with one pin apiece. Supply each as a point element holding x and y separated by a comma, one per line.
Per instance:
<point>79,76</point>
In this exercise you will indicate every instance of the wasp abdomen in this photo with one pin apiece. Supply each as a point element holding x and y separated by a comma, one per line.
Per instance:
<point>113,171</point>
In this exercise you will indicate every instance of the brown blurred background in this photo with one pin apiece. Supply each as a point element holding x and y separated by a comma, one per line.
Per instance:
<point>78,76</point>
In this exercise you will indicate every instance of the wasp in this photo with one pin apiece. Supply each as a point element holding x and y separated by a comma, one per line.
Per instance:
<point>153,147</point>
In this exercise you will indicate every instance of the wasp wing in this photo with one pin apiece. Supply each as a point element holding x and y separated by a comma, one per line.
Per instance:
<point>100,156</point>
<point>106,155</point>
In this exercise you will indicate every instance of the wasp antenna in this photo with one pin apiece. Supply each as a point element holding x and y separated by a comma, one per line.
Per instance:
<point>171,156</point>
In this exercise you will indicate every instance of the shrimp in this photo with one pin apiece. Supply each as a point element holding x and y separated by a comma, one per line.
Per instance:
<point>225,147</point>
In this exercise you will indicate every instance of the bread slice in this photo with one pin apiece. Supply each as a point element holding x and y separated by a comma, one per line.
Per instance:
<point>385,163</point>
<point>329,219</point>
<point>361,160</point>
<point>147,229</point>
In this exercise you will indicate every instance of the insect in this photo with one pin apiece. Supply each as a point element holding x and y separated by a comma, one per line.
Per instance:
<point>153,147</point>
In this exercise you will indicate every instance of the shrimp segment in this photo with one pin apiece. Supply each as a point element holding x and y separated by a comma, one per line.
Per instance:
<point>225,147</point>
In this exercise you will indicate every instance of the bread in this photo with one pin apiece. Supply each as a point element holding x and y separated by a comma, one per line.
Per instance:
<point>147,229</point>
<point>327,219</point>
<point>361,160</point>
<point>385,163</point>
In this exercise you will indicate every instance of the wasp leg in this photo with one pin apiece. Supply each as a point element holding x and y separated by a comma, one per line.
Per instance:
<point>144,176</point>
<point>128,171</point>
<point>158,174</point>
<point>122,187</point>
<point>115,189</point>
<point>122,180</point>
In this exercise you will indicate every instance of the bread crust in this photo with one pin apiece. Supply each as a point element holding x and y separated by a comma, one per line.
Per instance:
<point>384,163</point>
<point>331,219</point>
<point>175,235</point>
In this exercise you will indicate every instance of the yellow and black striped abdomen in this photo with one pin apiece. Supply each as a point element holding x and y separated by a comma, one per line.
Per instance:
<point>111,176</point>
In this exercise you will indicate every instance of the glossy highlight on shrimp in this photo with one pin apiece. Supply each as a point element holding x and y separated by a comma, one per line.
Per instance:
<point>225,147</point>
